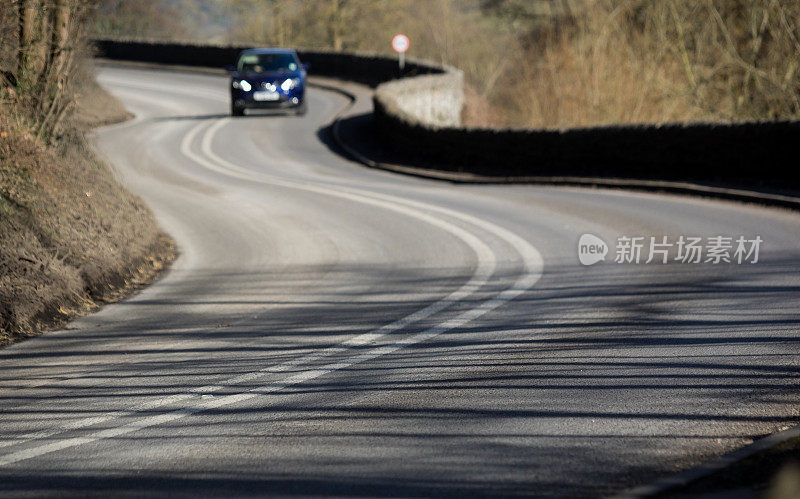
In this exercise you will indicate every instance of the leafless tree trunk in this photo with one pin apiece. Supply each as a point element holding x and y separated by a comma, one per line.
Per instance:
<point>29,38</point>
<point>42,52</point>
<point>279,23</point>
<point>57,99</point>
<point>58,45</point>
<point>336,23</point>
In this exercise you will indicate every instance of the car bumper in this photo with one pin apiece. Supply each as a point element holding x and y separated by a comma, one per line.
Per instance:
<point>284,101</point>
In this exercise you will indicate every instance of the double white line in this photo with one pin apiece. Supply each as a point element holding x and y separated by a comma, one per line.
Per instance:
<point>427,213</point>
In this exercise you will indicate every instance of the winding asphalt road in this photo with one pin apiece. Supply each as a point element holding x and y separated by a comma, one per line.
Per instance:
<point>334,330</point>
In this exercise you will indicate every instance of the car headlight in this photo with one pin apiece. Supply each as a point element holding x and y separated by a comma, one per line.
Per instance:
<point>289,84</point>
<point>244,85</point>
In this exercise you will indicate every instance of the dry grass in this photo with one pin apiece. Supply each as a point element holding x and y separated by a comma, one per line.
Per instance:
<point>479,112</point>
<point>634,61</point>
<point>95,107</point>
<point>71,237</point>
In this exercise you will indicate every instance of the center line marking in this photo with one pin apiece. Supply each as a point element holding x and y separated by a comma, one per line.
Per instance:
<point>486,264</point>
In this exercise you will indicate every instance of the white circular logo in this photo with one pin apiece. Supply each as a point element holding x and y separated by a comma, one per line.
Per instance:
<point>591,249</point>
<point>400,43</point>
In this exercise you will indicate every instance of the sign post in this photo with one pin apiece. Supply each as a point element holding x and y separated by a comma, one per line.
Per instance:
<point>400,44</point>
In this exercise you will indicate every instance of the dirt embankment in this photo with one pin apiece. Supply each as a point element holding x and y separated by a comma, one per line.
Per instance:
<point>71,237</point>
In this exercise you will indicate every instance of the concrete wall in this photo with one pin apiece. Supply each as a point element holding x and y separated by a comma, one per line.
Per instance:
<point>741,154</point>
<point>435,100</point>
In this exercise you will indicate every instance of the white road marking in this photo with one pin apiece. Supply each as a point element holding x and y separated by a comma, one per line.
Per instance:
<point>531,257</point>
<point>486,264</point>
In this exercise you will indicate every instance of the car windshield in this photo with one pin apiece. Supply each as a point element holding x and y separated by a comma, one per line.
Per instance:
<point>260,63</point>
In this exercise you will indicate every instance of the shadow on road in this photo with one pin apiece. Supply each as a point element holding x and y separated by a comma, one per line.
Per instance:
<point>596,375</point>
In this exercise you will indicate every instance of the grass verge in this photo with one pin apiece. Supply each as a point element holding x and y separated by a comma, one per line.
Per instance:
<point>71,237</point>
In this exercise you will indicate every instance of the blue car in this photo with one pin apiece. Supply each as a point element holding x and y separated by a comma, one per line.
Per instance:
<point>268,79</point>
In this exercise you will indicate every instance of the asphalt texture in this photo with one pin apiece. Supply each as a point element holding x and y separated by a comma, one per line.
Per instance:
<point>329,329</point>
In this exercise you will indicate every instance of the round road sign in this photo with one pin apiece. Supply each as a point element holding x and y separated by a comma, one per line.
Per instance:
<point>400,43</point>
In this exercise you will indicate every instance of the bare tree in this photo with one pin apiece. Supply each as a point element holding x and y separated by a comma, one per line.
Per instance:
<point>61,24</point>
<point>48,37</point>
<point>338,17</point>
<point>30,15</point>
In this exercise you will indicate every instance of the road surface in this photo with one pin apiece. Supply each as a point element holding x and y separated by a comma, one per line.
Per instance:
<point>334,330</point>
